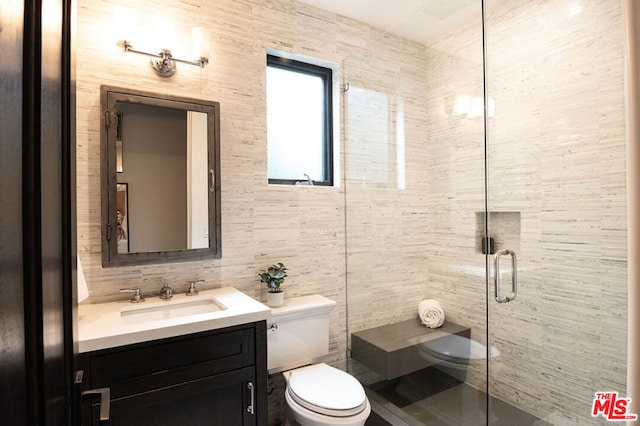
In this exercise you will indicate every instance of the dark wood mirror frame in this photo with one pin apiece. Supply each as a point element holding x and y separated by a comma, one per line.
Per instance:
<point>109,97</point>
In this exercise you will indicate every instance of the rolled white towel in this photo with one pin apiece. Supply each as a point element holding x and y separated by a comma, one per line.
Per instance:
<point>431,313</point>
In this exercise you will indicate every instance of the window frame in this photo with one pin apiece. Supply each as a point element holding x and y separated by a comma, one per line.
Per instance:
<point>326,75</point>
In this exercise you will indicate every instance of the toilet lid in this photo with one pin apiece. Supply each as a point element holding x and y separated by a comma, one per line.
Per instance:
<point>327,390</point>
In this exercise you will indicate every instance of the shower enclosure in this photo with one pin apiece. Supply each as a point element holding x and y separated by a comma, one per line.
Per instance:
<point>485,168</point>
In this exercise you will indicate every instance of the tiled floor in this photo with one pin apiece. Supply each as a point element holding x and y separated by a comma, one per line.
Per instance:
<point>438,400</point>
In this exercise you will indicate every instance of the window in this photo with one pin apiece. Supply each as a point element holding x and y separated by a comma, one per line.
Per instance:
<point>299,122</point>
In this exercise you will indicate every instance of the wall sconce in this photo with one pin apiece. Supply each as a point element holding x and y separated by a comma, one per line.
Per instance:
<point>163,63</point>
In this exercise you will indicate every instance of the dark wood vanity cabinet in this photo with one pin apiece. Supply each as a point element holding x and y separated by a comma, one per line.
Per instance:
<point>216,377</point>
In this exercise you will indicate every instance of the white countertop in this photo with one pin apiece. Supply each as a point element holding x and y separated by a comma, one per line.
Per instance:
<point>102,326</point>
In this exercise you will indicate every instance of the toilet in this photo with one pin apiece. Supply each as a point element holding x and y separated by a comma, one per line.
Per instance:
<point>315,394</point>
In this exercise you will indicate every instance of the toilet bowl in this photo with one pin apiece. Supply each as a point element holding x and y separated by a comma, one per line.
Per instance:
<point>320,395</point>
<point>316,394</point>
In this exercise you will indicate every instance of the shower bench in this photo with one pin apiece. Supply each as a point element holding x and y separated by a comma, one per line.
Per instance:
<point>394,350</point>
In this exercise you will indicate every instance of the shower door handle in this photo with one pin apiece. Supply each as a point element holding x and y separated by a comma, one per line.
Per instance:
<point>514,276</point>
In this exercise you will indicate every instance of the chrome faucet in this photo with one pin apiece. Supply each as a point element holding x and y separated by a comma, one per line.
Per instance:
<point>166,292</point>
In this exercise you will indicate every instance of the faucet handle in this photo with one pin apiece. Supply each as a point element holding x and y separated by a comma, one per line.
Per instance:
<point>192,288</point>
<point>137,294</point>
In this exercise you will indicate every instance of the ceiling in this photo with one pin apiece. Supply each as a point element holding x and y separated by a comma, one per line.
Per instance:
<point>419,20</point>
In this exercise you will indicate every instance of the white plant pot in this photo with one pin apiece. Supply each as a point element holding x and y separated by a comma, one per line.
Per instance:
<point>275,300</point>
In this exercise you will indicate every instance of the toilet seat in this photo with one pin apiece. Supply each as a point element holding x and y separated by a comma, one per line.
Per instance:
<point>327,391</point>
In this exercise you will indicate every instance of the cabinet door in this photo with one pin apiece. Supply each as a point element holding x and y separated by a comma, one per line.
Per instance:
<point>224,399</point>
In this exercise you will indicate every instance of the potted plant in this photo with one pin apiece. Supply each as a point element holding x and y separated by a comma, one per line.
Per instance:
<point>273,276</point>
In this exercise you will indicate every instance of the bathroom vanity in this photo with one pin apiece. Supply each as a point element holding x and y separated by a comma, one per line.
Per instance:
<point>196,368</point>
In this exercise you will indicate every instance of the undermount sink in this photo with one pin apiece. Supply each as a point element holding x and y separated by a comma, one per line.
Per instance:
<point>113,324</point>
<point>169,310</point>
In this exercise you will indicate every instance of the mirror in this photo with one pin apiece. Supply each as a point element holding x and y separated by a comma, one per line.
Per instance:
<point>160,178</point>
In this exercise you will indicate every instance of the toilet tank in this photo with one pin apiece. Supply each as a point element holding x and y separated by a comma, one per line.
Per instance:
<point>298,332</point>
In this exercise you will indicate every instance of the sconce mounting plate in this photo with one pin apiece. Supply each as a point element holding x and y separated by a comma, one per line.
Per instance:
<point>163,65</point>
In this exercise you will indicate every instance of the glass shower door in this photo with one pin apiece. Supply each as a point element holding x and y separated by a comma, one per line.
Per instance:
<point>415,200</point>
<point>556,221</point>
